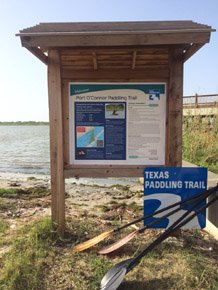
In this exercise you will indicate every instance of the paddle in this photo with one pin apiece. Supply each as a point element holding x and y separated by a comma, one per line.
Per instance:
<point>94,241</point>
<point>115,275</point>
<point>129,237</point>
<point>113,278</point>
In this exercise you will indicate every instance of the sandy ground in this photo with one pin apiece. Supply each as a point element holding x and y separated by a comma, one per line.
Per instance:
<point>84,198</point>
<point>82,194</point>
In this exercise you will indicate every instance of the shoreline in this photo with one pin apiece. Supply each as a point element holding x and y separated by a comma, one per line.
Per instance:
<point>81,196</point>
<point>24,123</point>
<point>28,178</point>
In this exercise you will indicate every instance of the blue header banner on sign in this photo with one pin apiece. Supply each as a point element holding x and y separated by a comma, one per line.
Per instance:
<point>76,89</point>
<point>165,186</point>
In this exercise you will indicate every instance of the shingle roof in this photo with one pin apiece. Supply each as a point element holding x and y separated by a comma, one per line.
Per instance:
<point>116,27</point>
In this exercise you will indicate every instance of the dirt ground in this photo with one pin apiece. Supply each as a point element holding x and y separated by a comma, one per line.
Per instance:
<point>81,195</point>
<point>91,209</point>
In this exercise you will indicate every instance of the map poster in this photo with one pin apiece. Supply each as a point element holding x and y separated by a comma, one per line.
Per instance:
<point>117,123</point>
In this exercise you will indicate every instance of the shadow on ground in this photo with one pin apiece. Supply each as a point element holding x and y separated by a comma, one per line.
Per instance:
<point>154,284</point>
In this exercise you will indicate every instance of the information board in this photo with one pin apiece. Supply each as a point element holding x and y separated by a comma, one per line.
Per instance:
<point>165,186</point>
<point>117,123</point>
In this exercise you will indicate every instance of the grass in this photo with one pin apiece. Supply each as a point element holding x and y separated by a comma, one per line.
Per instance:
<point>40,259</point>
<point>27,193</point>
<point>71,271</point>
<point>6,205</point>
<point>200,144</point>
<point>137,209</point>
<point>23,264</point>
<point>13,199</point>
<point>175,266</point>
<point>120,210</point>
<point>4,229</point>
<point>4,225</point>
<point>37,250</point>
<point>33,256</point>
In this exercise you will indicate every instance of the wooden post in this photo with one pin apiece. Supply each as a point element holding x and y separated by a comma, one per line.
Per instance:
<point>56,140</point>
<point>175,107</point>
<point>196,100</point>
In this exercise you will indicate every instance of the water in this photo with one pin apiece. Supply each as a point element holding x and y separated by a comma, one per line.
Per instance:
<point>24,149</point>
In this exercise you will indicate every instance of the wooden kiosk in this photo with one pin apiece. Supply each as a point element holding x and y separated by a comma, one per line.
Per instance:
<point>111,53</point>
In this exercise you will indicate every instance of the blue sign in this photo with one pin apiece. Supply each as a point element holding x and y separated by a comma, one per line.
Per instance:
<point>100,130</point>
<point>154,95</point>
<point>165,186</point>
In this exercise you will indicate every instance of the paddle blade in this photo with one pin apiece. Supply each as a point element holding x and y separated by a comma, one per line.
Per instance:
<point>118,244</point>
<point>90,243</point>
<point>114,277</point>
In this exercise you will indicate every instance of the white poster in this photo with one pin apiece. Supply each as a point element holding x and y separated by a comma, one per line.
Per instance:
<point>114,123</point>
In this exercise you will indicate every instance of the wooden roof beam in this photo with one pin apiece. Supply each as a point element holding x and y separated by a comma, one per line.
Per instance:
<point>193,48</point>
<point>109,40</point>
<point>38,53</point>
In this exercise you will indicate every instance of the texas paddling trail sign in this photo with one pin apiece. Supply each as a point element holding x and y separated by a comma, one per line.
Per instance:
<point>165,186</point>
<point>120,124</point>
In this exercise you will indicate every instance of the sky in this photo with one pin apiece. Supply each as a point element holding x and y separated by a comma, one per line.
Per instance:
<point>23,77</point>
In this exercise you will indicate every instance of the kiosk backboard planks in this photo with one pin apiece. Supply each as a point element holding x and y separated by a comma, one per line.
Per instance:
<point>122,56</point>
<point>117,123</point>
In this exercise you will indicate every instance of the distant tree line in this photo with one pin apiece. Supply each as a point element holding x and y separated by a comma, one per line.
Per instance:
<point>25,123</point>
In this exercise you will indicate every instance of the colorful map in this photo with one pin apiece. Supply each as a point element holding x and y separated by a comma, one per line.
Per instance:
<point>90,136</point>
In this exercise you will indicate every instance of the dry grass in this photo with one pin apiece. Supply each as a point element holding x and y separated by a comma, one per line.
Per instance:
<point>200,144</point>
<point>40,259</point>
<point>36,257</point>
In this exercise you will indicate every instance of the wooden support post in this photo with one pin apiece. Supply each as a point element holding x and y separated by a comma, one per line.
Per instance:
<point>175,107</point>
<point>56,140</point>
<point>196,100</point>
<point>175,111</point>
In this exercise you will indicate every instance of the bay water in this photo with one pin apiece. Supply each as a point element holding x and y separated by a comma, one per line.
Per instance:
<point>25,150</point>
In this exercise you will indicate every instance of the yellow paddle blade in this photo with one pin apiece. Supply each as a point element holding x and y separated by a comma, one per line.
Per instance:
<point>88,244</point>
